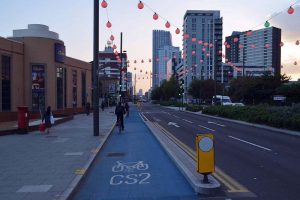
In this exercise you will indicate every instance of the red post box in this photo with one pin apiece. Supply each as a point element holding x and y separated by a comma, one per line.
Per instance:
<point>23,119</point>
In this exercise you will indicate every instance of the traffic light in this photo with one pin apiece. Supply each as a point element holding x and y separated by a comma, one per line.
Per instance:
<point>181,84</point>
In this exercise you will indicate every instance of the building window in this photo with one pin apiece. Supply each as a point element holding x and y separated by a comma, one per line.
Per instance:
<point>74,90</point>
<point>38,87</point>
<point>83,88</point>
<point>194,27</point>
<point>59,87</point>
<point>6,83</point>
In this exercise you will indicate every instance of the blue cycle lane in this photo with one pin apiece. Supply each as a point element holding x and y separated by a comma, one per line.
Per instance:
<point>133,165</point>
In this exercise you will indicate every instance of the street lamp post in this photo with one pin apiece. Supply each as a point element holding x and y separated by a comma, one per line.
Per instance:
<point>95,70</point>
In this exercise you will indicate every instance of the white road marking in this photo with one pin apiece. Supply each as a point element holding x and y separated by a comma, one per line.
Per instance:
<point>216,123</point>
<point>176,116</point>
<point>207,128</point>
<point>250,143</point>
<point>173,124</point>
<point>187,121</point>
<point>156,119</point>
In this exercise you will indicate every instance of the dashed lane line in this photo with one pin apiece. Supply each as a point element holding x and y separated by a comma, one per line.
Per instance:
<point>256,145</point>
<point>206,128</point>
<point>188,121</point>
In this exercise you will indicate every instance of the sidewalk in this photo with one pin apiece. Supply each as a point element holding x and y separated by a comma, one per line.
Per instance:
<point>36,166</point>
<point>133,165</point>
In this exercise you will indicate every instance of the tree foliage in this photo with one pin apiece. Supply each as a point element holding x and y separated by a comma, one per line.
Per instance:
<point>167,90</point>
<point>204,89</point>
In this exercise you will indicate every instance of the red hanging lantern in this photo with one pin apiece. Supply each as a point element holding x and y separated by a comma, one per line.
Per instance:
<point>295,63</point>
<point>193,52</point>
<point>201,61</point>
<point>241,46</point>
<point>281,44</point>
<point>167,24</point>
<point>114,46</point>
<point>205,44</point>
<point>140,5</point>
<point>211,45</point>
<point>291,10</point>
<point>108,24</point>
<point>207,55</point>
<point>228,46</point>
<point>135,68</point>
<point>142,61</point>
<point>194,39</point>
<point>225,43</point>
<point>135,61</point>
<point>112,38</point>
<point>104,4</point>
<point>253,46</point>
<point>236,39</point>
<point>200,42</point>
<point>220,52</point>
<point>297,42</point>
<point>177,31</point>
<point>249,33</point>
<point>267,46</point>
<point>203,49</point>
<point>141,71</point>
<point>155,16</point>
<point>186,36</point>
<point>116,53</point>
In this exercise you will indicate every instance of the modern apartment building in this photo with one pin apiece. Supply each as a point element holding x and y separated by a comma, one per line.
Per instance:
<point>160,39</point>
<point>255,52</point>
<point>202,44</point>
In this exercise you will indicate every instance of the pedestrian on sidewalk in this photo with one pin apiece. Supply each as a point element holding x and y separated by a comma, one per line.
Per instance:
<point>47,118</point>
<point>88,107</point>
<point>127,109</point>
<point>102,105</point>
<point>120,111</point>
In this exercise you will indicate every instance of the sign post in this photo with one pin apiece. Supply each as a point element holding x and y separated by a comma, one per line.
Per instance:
<point>205,155</point>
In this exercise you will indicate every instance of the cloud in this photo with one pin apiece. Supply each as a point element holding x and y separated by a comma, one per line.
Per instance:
<point>290,24</point>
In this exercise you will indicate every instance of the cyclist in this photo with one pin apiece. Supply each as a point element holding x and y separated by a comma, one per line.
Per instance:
<point>120,111</point>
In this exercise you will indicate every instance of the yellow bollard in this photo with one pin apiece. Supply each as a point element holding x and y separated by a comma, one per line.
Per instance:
<point>205,155</point>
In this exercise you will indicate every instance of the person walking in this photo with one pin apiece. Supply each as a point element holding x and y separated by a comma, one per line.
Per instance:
<point>120,111</point>
<point>88,107</point>
<point>102,105</point>
<point>127,109</point>
<point>47,118</point>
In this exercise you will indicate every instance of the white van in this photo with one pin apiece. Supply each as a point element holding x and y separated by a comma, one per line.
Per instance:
<point>221,100</point>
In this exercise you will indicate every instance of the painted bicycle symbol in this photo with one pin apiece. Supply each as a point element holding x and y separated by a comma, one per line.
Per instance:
<point>129,166</point>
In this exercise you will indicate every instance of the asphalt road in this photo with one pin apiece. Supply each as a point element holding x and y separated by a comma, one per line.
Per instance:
<point>267,164</point>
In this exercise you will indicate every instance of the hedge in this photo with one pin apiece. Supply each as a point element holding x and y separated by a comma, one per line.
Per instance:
<point>281,117</point>
<point>194,108</point>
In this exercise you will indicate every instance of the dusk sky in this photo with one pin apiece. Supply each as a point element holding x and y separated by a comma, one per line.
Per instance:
<point>73,21</point>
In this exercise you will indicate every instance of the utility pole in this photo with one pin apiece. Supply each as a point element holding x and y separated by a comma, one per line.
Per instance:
<point>121,66</point>
<point>95,70</point>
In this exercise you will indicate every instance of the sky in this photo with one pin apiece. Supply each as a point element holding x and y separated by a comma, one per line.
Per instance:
<point>73,21</point>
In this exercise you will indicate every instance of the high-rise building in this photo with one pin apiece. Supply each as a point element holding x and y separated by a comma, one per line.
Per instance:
<point>255,52</point>
<point>168,56</point>
<point>159,40</point>
<point>129,83</point>
<point>202,45</point>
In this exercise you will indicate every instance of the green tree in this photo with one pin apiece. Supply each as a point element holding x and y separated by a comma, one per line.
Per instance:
<point>204,89</point>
